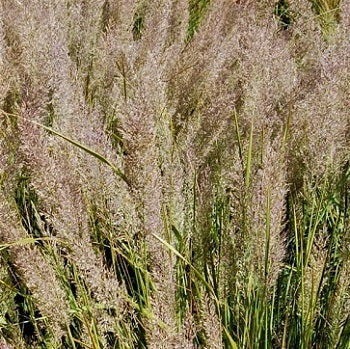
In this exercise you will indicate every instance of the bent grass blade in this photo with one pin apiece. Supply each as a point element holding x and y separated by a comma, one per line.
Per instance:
<point>91,152</point>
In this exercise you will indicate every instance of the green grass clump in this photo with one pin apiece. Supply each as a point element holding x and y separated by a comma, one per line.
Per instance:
<point>174,174</point>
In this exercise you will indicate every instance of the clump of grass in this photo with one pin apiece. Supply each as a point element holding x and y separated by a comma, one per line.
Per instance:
<point>328,12</point>
<point>174,174</point>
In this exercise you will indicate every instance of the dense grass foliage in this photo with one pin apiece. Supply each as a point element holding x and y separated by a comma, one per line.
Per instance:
<point>174,174</point>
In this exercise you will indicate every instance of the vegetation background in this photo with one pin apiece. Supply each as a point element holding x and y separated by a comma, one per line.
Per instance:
<point>174,174</point>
